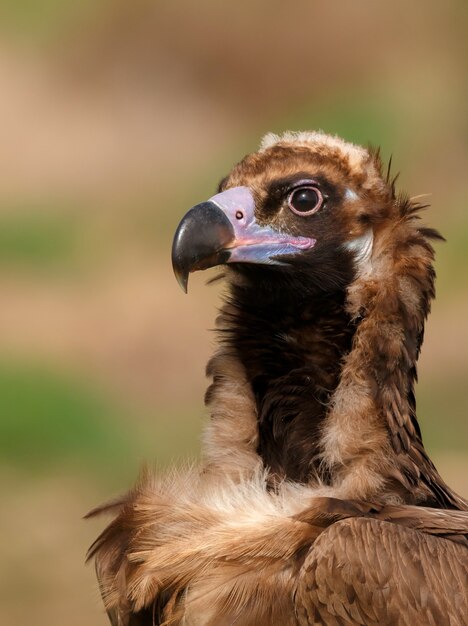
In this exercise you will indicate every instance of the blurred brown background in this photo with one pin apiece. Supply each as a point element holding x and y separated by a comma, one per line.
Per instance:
<point>115,117</point>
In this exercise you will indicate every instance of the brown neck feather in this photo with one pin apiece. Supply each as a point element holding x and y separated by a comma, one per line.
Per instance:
<point>371,439</point>
<point>326,396</point>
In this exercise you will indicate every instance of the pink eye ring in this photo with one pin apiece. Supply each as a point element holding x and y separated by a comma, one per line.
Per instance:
<point>305,200</point>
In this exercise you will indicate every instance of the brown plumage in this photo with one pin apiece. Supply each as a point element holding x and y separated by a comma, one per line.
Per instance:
<point>315,502</point>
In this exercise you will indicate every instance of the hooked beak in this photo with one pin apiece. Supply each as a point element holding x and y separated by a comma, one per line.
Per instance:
<point>224,230</point>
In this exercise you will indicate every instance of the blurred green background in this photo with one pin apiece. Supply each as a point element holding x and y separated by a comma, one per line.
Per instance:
<point>115,117</point>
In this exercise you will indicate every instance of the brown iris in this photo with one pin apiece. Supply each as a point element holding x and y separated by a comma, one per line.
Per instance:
<point>305,200</point>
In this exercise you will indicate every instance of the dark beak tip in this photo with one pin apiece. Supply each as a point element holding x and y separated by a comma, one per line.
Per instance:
<point>179,263</point>
<point>180,272</point>
<point>182,279</point>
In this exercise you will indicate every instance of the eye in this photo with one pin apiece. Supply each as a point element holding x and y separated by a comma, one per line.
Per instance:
<point>305,200</point>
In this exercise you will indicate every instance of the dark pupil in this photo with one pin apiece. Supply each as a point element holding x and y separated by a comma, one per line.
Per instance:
<point>304,200</point>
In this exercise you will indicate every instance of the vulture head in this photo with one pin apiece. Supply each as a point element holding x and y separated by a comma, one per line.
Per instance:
<point>298,215</point>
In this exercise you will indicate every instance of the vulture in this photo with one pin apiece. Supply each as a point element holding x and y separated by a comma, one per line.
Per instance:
<point>315,502</point>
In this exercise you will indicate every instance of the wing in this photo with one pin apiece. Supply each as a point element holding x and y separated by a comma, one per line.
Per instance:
<point>369,572</point>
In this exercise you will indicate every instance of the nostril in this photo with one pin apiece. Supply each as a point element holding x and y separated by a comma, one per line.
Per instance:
<point>239,215</point>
